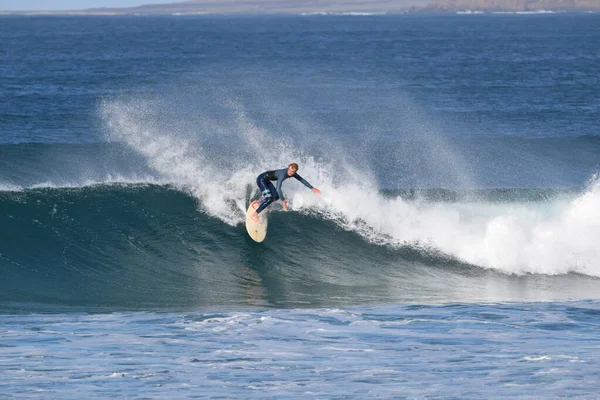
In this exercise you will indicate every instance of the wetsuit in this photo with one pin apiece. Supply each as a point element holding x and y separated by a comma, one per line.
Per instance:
<point>271,193</point>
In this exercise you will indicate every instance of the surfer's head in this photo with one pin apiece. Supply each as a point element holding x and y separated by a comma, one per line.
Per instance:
<point>292,169</point>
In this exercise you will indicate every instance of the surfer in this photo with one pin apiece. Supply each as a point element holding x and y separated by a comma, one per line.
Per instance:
<point>271,193</point>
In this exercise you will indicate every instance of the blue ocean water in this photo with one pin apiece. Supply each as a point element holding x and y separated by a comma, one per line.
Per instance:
<point>453,253</point>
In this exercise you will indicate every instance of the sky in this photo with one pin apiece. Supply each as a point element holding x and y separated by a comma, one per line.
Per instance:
<point>28,5</point>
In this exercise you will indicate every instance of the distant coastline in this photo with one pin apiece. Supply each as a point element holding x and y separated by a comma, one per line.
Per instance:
<point>348,7</point>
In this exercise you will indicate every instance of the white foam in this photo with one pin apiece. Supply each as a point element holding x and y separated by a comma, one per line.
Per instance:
<point>537,358</point>
<point>556,237</point>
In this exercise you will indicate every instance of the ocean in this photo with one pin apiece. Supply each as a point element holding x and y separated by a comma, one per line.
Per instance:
<point>453,253</point>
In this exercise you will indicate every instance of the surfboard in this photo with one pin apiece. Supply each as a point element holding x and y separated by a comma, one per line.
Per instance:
<point>257,231</point>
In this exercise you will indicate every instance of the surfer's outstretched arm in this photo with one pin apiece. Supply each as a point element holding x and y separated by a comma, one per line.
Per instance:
<point>305,183</point>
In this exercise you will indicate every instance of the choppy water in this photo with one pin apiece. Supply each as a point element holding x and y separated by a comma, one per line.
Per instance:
<point>451,351</point>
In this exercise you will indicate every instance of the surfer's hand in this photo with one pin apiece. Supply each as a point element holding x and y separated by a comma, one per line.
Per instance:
<point>285,207</point>
<point>317,191</point>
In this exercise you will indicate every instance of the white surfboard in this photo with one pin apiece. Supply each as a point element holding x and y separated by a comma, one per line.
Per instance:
<point>257,231</point>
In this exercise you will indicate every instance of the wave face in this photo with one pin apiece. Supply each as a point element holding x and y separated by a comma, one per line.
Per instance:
<point>148,246</point>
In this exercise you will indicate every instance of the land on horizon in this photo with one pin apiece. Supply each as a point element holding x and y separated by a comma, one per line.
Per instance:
<point>249,7</point>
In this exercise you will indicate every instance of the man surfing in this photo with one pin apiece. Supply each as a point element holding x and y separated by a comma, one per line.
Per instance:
<point>271,193</point>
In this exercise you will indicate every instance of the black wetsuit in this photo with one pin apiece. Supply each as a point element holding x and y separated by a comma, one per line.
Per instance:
<point>271,193</point>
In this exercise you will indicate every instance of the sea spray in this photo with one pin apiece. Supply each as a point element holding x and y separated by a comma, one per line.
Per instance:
<point>216,171</point>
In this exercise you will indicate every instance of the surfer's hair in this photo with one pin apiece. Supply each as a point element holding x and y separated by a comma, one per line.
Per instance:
<point>294,166</point>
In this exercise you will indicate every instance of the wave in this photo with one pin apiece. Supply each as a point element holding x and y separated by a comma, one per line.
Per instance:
<point>154,217</point>
<point>152,246</point>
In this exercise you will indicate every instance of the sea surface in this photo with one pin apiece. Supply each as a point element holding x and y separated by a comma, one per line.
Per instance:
<point>453,253</point>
